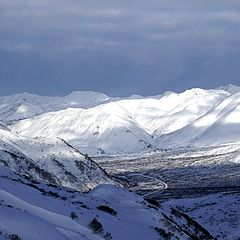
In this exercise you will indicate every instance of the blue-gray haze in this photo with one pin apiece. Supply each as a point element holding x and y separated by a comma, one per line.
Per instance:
<point>119,47</point>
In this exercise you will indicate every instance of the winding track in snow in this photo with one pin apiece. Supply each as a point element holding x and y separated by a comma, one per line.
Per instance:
<point>164,185</point>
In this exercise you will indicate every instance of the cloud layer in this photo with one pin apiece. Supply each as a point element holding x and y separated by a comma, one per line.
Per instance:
<point>119,47</point>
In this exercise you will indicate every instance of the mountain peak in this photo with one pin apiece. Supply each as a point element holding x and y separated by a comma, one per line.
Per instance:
<point>231,88</point>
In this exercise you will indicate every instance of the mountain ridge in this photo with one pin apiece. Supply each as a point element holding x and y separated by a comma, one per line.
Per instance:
<point>130,125</point>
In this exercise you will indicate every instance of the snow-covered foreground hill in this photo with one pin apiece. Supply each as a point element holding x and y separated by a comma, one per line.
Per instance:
<point>195,117</point>
<point>33,210</point>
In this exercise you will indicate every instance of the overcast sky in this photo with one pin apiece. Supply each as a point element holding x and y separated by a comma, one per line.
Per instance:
<point>119,47</point>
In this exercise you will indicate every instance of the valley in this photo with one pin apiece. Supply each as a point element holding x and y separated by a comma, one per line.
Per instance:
<point>186,172</point>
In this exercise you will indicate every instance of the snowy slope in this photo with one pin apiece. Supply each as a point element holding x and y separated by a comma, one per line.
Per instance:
<point>27,212</point>
<point>170,112</point>
<point>220,125</point>
<point>218,213</point>
<point>107,127</point>
<point>50,160</point>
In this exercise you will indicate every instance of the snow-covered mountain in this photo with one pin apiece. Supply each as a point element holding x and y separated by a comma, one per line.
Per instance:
<point>136,124</point>
<point>230,88</point>
<point>51,160</point>
<point>220,125</point>
<point>106,128</point>
<point>26,105</point>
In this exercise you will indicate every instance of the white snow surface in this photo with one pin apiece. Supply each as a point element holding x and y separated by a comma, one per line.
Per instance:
<point>136,124</point>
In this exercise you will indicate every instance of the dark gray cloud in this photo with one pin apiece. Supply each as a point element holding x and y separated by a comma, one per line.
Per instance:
<point>118,47</point>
